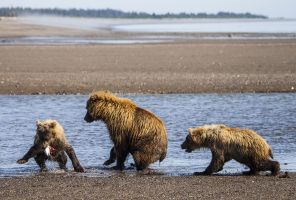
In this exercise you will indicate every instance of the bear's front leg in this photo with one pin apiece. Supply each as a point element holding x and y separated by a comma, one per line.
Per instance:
<point>121,156</point>
<point>71,153</point>
<point>112,157</point>
<point>40,160</point>
<point>33,151</point>
<point>216,164</point>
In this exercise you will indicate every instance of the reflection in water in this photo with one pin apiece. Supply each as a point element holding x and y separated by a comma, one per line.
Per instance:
<point>271,115</point>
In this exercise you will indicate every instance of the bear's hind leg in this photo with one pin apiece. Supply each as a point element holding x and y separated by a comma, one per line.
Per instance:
<point>140,161</point>
<point>251,163</point>
<point>40,160</point>
<point>62,160</point>
<point>270,165</point>
<point>252,172</point>
<point>275,168</point>
<point>253,169</point>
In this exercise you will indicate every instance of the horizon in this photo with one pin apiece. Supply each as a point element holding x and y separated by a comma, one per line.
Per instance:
<point>284,9</point>
<point>141,12</point>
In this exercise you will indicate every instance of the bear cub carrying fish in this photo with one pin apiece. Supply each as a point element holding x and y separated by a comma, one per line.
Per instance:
<point>50,143</point>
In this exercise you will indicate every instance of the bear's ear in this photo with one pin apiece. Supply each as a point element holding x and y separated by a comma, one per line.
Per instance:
<point>190,131</point>
<point>38,122</point>
<point>53,124</point>
<point>195,131</point>
<point>93,97</point>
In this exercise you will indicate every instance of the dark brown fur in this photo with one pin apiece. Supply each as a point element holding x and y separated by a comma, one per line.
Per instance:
<point>132,130</point>
<point>50,133</point>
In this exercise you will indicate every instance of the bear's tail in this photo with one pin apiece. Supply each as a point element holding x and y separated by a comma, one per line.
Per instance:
<point>270,153</point>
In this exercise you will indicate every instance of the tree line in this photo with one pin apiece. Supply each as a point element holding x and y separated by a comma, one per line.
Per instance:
<point>111,13</point>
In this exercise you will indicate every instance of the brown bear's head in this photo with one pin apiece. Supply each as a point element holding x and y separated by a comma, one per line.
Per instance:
<point>95,105</point>
<point>103,105</point>
<point>193,140</point>
<point>45,129</point>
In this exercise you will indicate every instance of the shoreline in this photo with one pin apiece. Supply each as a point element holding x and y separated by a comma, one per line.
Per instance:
<point>140,186</point>
<point>147,93</point>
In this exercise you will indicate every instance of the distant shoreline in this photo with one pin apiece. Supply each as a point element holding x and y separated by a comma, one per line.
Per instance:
<point>45,30</point>
<point>112,13</point>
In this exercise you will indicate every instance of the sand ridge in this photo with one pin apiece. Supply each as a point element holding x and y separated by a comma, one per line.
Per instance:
<point>200,66</point>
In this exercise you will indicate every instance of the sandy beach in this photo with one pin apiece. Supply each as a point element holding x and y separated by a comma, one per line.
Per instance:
<point>199,66</point>
<point>50,186</point>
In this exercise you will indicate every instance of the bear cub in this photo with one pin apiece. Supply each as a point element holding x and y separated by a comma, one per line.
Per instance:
<point>50,143</point>
<point>243,145</point>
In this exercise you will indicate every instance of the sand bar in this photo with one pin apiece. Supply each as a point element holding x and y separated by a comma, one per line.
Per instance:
<point>181,67</point>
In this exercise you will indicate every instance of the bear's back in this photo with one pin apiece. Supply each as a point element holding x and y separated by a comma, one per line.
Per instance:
<point>243,142</point>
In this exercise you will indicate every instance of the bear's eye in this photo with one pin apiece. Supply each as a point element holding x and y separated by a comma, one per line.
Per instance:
<point>188,138</point>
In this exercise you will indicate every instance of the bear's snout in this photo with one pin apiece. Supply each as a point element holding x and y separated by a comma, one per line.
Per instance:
<point>88,118</point>
<point>184,146</point>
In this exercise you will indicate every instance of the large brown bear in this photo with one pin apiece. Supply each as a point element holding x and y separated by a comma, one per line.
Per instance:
<point>132,129</point>
<point>242,145</point>
<point>50,143</point>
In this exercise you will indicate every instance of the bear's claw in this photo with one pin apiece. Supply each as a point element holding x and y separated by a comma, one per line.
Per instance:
<point>108,162</point>
<point>79,169</point>
<point>21,161</point>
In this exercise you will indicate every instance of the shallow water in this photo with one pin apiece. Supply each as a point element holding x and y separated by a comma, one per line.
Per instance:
<point>169,25</point>
<point>44,40</point>
<point>271,115</point>
<point>214,26</point>
<point>157,30</point>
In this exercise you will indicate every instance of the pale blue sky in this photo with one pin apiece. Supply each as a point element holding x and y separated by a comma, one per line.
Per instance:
<point>272,8</point>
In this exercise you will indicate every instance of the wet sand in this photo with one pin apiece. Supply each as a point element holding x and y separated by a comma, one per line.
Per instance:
<point>180,67</point>
<point>50,186</point>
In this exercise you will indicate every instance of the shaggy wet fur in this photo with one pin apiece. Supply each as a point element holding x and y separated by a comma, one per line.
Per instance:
<point>50,134</point>
<point>242,145</point>
<point>132,129</point>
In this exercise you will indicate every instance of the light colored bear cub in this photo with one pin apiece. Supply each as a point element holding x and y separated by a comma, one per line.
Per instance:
<point>50,143</point>
<point>225,143</point>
